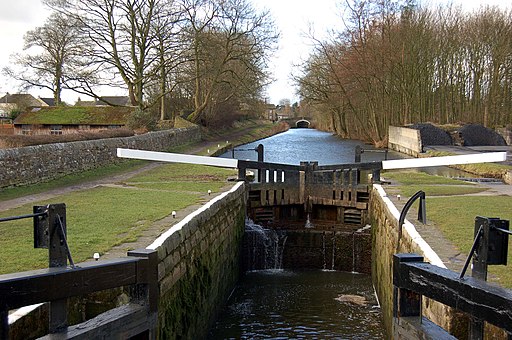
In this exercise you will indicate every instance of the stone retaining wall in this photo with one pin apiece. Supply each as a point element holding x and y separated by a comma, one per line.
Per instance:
<point>199,265</point>
<point>384,217</point>
<point>405,140</point>
<point>33,164</point>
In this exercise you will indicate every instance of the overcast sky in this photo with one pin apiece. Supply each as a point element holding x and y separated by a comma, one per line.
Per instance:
<point>293,18</point>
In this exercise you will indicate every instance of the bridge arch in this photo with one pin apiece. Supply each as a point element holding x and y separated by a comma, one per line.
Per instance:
<point>303,123</point>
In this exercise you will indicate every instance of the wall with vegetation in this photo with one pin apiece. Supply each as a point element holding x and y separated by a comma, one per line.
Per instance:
<point>384,217</point>
<point>199,265</point>
<point>38,163</point>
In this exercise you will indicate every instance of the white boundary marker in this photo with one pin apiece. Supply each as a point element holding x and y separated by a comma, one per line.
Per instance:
<point>177,158</point>
<point>445,160</point>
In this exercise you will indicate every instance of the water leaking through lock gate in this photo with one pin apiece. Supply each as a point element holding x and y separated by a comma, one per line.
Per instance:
<point>280,298</point>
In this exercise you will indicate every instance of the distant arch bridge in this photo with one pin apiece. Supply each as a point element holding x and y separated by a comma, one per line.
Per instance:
<point>304,122</point>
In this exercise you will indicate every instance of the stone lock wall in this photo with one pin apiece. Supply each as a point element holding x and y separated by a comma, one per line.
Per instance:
<point>199,265</point>
<point>384,217</point>
<point>33,164</point>
<point>312,249</point>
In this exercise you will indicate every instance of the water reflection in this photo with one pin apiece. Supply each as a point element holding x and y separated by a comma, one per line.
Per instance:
<point>300,305</point>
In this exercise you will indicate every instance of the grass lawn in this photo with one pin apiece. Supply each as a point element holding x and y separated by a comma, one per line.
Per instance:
<point>455,215</point>
<point>492,170</point>
<point>420,178</point>
<point>103,217</point>
<point>441,190</point>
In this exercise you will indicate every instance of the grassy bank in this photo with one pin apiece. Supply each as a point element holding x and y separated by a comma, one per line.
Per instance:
<point>453,213</point>
<point>411,182</point>
<point>241,133</point>
<point>74,179</point>
<point>103,217</point>
<point>106,216</point>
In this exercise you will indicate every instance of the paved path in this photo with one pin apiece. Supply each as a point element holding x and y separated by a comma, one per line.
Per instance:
<point>444,248</point>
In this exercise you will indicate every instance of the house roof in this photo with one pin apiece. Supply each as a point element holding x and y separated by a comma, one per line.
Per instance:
<point>114,100</point>
<point>22,100</point>
<point>76,115</point>
<point>105,101</point>
<point>48,101</point>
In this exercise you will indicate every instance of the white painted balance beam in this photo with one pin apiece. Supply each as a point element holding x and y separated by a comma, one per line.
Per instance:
<point>177,158</point>
<point>486,157</point>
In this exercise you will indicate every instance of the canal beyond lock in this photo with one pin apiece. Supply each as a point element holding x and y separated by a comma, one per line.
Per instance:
<point>287,303</point>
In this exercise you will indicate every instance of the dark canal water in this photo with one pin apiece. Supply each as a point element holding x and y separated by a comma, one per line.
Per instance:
<point>292,304</point>
<point>296,145</point>
<point>282,304</point>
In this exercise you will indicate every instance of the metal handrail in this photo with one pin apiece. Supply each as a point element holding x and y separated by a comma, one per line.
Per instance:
<point>20,217</point>
<point>422,214</point>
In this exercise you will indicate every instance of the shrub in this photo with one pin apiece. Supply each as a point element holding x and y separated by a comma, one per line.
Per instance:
<point>141,120</point>
<point>14,114</point>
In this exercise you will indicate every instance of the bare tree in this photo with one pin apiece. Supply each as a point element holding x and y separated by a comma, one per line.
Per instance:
<point>170,46</point>
<point>230,46</point>
<point>53,55</point>
<point>122,43</point>
<point>398,63</point>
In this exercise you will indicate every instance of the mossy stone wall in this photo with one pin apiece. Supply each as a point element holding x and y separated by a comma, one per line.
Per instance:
<point>33,164</point>
<point>199,265</point>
